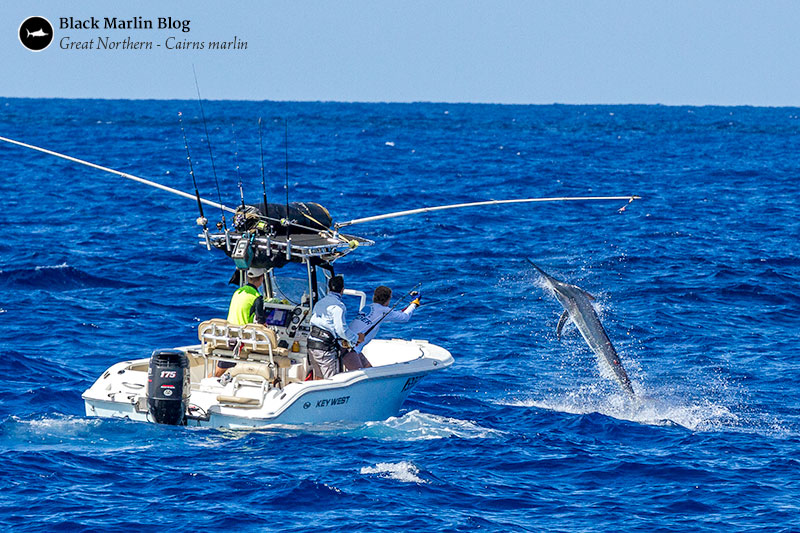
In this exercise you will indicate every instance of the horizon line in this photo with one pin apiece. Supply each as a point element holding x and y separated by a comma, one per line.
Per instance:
<point>401,102</point>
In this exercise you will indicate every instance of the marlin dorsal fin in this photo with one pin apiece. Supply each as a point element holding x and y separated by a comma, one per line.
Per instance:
<point>561,322</point>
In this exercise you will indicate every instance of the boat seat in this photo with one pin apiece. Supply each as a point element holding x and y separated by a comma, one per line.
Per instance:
<point>238,401</point>
<point>220,337</point>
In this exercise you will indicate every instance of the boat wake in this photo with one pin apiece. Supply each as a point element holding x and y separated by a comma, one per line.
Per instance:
<point>415,426</point>
<point>53,430</point>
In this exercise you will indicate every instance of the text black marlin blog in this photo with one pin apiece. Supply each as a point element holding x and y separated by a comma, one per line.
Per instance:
<point>114,23</point>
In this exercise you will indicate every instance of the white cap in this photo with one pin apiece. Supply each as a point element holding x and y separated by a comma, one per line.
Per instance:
<point>254,272</point>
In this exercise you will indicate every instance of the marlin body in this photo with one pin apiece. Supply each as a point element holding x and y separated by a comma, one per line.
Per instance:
<point>578,308</point>
<point>37,33</point>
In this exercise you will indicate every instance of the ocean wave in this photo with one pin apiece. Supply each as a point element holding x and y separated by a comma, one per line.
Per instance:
<point>56,277</point>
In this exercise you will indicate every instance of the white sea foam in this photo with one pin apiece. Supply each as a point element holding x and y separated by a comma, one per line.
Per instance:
<point>66,424</point>
<point>415,425</point>
<point>403,471</point>
<point>412,426</point>
<point>46,267</point>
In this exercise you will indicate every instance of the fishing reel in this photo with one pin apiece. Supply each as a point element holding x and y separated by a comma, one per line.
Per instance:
<point>249,218</point>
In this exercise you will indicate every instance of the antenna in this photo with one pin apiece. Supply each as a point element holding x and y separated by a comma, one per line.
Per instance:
<point>202,221</point>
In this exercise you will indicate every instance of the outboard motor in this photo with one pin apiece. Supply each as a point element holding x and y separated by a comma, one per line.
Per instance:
<point>168,386</point>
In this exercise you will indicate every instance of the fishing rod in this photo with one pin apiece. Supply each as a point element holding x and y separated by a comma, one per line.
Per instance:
<point>236,158</point>
<point>396,214</point>
<point>211,155</point>
<point>286,152</point>
<point>264,190</point>
<point>119,173</point>
<point>203,221</point>
<point>263,179</point>
<point>387,313</point>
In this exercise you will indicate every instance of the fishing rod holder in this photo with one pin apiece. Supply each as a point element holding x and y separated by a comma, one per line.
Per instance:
<point>278,250</point>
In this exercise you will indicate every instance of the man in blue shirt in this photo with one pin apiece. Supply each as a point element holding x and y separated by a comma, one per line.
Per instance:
<point>329,329</point>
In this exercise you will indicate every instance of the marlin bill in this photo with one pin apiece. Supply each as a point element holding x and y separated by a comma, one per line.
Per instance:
<point>578,307</point>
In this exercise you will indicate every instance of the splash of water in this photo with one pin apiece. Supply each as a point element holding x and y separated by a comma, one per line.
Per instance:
<point>655,408</point>
<point>403,471</point>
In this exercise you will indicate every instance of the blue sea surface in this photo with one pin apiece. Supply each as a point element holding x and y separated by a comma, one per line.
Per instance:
<point>696,283</point>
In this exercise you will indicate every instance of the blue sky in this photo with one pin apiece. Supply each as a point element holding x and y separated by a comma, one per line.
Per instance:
<point>526,52</point>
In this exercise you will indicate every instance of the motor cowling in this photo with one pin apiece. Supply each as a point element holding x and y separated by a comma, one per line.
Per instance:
<point>168,386</point>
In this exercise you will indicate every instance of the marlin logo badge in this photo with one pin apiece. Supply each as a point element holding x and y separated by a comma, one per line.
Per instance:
<point>35,33</point>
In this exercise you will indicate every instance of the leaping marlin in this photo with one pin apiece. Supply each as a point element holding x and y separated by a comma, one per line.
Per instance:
<point>578,308</point>
<point>37,33</point>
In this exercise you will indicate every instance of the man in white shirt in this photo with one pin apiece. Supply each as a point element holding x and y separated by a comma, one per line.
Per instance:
<point>369,321</point>
<point>327,328</point>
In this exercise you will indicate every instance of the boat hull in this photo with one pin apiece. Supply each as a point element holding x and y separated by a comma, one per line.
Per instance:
<point>351,397</point>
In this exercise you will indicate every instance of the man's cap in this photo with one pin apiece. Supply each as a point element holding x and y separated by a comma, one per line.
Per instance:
<point>254,272</point>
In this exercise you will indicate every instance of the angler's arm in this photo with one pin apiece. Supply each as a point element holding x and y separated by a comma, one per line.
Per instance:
<point>402,316</point>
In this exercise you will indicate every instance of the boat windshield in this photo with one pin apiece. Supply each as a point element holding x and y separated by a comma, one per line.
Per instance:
<point>291,283</point>
<point>295,290</point>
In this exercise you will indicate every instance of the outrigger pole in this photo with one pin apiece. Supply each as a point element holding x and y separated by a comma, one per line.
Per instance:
<point>396,214</point>
<point>122,174</point>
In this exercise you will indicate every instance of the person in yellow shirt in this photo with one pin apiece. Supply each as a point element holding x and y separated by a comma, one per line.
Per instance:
<point>242,309</point>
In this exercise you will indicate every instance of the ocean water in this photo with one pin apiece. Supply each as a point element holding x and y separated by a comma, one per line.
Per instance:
<point>697,285</point>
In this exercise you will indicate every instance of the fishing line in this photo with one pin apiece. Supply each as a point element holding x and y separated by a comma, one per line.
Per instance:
<point>442,300</point>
